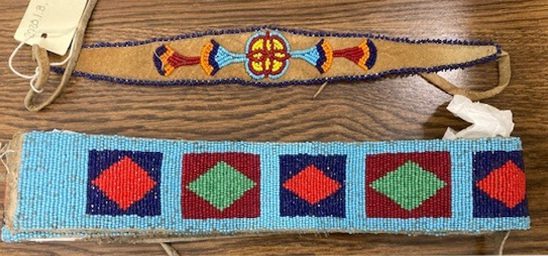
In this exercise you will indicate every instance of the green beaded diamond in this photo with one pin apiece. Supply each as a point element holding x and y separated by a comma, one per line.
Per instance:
<point>409,185</point>
<point>221,185</point>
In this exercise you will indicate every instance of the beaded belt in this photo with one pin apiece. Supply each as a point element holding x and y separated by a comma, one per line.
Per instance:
<point>70,185</point>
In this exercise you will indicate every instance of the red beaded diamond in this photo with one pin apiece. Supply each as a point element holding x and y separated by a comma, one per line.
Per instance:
<point>124,182</point>
<point>312,185</point>
<point>506,184</point>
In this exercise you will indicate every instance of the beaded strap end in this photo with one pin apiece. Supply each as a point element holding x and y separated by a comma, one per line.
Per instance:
<point>68,185</point>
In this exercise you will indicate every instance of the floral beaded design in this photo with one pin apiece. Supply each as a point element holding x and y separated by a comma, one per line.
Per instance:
<point>266,55</point>
<point>214,57</point>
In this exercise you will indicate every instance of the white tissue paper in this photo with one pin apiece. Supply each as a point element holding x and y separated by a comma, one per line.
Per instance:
<point>487,121</point>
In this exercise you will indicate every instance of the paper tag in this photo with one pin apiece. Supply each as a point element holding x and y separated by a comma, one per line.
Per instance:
<point>50,24</point>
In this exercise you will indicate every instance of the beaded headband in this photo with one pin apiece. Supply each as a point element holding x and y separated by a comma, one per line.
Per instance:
<point>68,185</point>
<point>276,56</point>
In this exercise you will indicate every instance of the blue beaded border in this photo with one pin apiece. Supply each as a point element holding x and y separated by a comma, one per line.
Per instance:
<point>316,81</point>
<point>54,180</point>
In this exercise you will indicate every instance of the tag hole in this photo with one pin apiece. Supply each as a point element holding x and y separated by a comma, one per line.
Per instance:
<point>44,35</point>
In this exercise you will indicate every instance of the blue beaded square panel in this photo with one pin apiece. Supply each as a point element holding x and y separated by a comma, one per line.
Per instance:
<point>123,183</point>
<point>312,185</point>
<point>499,184</point>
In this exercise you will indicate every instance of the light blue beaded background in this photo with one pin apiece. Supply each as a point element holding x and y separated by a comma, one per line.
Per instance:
<point>53,178</point>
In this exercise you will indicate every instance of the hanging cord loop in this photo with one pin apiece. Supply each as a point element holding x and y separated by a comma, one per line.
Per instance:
<point>42,71</point>
<point>504,79</point>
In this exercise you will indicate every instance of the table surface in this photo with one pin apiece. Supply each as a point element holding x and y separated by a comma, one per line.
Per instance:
<point>398,108</point>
